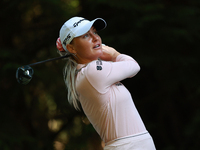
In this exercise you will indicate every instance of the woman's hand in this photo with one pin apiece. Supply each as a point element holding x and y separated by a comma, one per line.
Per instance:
<point>109,53</point>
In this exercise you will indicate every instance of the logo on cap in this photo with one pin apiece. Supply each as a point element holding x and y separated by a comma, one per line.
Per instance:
<point>66,39</point>
<point>76,23</point>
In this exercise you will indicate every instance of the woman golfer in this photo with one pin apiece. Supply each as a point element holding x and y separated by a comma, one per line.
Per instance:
<point>92,75</point>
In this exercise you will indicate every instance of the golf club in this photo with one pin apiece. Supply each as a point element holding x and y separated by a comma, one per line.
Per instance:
<point>24,73</point>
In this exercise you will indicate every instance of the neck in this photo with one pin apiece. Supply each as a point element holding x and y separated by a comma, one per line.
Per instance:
<point>80,60</point>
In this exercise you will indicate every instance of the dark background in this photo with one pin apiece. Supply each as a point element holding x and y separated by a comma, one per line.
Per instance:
<point>162,35</point>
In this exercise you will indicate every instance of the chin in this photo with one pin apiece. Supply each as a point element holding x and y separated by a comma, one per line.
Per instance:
<point>97,55</point>
<point>100,53</point>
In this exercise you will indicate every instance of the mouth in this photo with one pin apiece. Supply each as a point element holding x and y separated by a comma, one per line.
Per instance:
<point>97,46</point>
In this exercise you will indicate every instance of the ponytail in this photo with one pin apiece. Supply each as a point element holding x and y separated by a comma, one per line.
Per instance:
<point>69,73</point>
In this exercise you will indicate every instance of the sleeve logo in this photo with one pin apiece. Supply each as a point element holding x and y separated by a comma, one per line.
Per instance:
<point>99,64</point>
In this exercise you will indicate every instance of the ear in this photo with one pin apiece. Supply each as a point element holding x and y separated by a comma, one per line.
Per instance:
<point>70,48</point>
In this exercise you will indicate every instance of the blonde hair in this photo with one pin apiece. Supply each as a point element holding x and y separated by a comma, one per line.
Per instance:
<point>69,73</point>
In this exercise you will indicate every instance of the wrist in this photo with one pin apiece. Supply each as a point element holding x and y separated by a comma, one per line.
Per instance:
<point>115,56</point>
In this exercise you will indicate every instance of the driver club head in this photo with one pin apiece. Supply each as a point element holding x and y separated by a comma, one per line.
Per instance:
<point>24,74</point>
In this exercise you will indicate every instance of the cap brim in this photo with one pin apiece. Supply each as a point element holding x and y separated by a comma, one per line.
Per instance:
<point>98,23</point>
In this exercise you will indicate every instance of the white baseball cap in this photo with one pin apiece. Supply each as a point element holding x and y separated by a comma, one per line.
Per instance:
<point>78,26</point>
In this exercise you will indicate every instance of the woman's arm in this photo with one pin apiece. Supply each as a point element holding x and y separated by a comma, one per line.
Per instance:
<point>102,74</point>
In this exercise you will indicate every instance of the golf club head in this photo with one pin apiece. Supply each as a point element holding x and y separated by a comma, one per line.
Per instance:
<point>24,74</point>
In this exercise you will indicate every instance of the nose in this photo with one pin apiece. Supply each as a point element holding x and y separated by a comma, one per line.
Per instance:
<point>95,37</point>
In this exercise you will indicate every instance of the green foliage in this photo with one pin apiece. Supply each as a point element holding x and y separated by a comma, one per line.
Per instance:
<point>163,36</point>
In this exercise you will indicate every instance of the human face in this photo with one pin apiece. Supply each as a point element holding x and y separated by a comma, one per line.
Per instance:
<point>87,47</point>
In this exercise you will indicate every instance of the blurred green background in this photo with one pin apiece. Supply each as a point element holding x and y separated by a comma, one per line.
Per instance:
<point>162,35</point>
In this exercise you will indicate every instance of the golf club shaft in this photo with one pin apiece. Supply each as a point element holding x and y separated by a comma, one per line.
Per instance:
<point>44,61</point>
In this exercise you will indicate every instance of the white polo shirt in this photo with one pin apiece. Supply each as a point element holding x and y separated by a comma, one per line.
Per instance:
<point>106,102</point>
